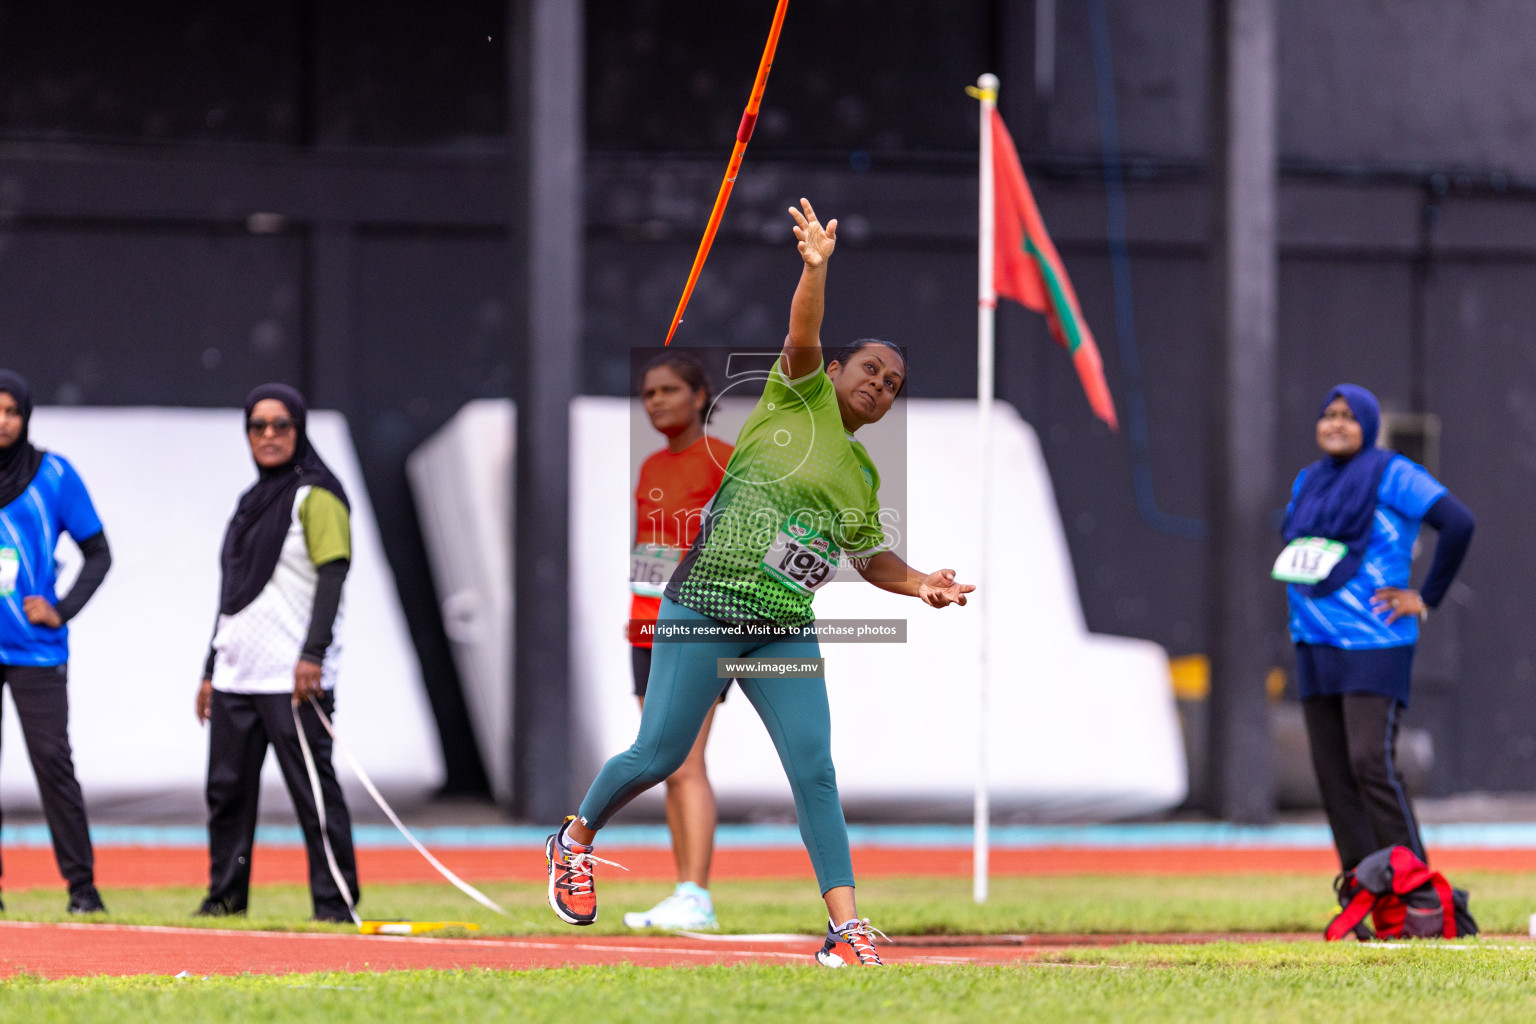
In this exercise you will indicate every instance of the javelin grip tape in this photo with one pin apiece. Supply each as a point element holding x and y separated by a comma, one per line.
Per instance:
<point>744,132</point>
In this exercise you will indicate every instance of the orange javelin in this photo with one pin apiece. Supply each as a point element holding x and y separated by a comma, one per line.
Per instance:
<point>743,136</point>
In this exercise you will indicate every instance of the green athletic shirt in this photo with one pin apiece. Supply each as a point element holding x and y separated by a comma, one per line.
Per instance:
<point>798,491</point>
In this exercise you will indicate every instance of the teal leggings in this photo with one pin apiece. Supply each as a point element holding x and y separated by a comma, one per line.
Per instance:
<point>682,689</point>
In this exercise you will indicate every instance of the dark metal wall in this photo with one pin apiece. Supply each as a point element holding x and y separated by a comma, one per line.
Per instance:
<point>1407,203</point>
<point>196,198</point>
<point>136,144</point>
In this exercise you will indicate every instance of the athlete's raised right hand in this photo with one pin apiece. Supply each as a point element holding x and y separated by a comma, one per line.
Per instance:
<point>816,242</point>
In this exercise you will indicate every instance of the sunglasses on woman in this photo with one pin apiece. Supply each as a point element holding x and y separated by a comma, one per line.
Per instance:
<point>279,427</point>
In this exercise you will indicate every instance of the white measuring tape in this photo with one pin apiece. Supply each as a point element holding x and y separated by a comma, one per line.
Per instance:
<point>378,798</point>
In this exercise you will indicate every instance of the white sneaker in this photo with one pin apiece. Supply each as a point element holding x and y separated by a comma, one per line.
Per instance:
<point>688,909</point>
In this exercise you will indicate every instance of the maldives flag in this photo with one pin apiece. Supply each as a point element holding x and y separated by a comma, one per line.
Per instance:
<point>1027,270</point>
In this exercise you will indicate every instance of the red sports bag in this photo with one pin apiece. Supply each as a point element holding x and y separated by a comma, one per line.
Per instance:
<point>1404,898</point>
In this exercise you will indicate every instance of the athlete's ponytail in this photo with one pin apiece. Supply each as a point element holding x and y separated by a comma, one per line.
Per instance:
<point>692,373</point>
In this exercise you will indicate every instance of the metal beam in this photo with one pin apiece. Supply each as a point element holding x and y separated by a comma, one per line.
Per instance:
<point>1244,602</point>
<point>328,367</point>
<point>545,122</point>
<point>188,183</point>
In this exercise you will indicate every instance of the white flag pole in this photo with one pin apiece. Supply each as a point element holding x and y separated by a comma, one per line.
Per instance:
<point>986,308</point>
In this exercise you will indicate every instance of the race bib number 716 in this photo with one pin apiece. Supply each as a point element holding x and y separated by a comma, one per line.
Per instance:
<point>651,567</point>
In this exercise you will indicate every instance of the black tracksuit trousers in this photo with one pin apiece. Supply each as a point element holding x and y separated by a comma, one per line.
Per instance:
<point>1354,753</point>
<point>240,727</point>
<point>41,695</point>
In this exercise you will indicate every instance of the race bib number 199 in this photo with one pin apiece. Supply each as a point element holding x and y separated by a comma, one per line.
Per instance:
<point>1308,560</point>
<point>801,559</point>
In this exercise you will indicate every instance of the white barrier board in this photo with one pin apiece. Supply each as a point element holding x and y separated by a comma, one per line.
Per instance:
<point>165,482</point>
<point>1081,725</point>
<point>461,479</point>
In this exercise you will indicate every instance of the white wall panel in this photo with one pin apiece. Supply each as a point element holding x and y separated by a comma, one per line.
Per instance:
<point>165,482</point>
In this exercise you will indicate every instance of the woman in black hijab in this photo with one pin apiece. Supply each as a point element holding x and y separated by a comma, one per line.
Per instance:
<point>285,556</point>
<point>19,460</point>
<point>41,497</point>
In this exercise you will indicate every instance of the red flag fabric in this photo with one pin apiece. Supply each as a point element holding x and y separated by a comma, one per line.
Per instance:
<point>1027,270</point>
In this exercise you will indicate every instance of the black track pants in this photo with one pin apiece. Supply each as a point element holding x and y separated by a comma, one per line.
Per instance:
<point>41,694</point>
<point>1354,753</point>
<point>240,727</point>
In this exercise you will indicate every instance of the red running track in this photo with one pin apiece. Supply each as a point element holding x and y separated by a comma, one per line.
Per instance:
<point>141,867</point>
<point>79,950</point>
<point>90,949</point>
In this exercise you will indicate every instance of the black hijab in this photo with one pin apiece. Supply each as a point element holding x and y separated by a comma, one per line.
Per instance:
<point>19,461</point>
<point>253,542</point>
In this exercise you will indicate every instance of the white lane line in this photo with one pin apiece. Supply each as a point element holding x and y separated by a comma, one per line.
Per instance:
<point>775,937</point>
<point>417,940</point>
<point>1432,944</point>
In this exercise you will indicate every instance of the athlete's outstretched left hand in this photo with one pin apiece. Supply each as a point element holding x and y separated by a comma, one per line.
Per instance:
<point>940,590</point>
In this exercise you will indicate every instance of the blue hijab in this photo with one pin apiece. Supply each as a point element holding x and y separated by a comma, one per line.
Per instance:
<point>1337,498</point>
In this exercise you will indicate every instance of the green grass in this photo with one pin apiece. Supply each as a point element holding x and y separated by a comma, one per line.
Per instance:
<point>1223,982</point>
<point>905,906</point>
<point>1490,980</point>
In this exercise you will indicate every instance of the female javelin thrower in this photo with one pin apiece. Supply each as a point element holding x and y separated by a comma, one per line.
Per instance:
<point>1350,528</point>
<point>675,485</point>
<point>799,491</point>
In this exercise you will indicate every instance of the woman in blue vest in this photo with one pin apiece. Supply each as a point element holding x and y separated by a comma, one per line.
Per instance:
<point>1350,529</point>
<point>41,498</point>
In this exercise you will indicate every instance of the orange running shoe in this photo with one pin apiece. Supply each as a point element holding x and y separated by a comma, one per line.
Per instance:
<point>572,888</point>
<point>858,938</point>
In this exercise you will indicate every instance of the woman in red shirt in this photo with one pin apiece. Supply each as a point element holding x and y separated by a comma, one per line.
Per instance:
<point>675,485</point>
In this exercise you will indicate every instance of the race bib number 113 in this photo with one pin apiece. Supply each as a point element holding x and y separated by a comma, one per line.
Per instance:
<point>1308,560</point>
<point>10,568</point>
